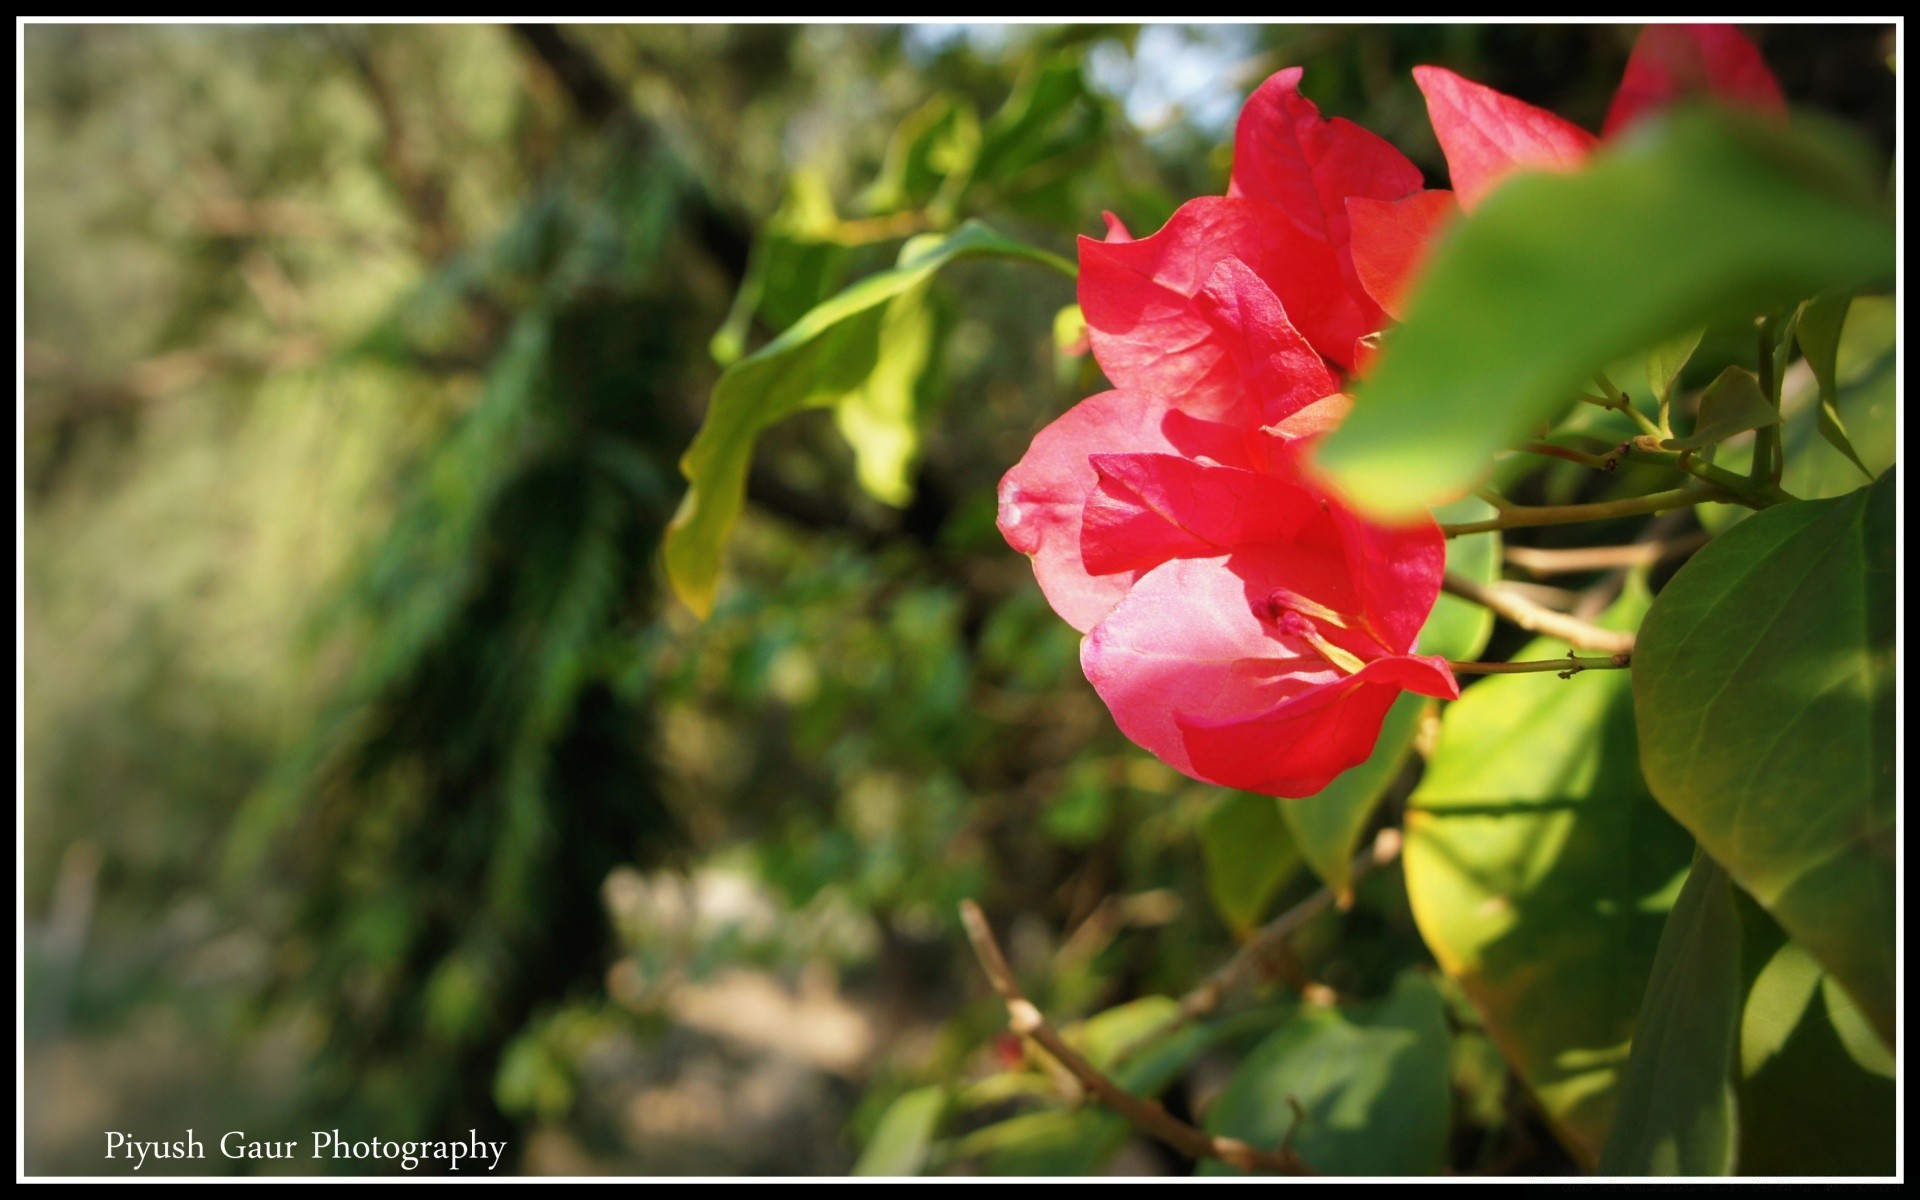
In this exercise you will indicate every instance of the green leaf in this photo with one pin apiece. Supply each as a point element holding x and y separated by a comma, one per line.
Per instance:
<point>929,159</point>
<point>1733,403</point>
<point>822,359</point>
<point>1556,275</point>
<point>899,1144</point>
<point>1667,360</point>
<point>798,260</point>
<point>1126,1042</point>
<point>1539,868</point>
<point>1249,855</point>
<point>1763,684</point>
<point>1677,1108</point>
<point>1327,826</point>
<point>1807,1105</point>
<point>1821,324</point>
<point>1055,1142</point>
<point>879,418</point>
<point>1456,628</point>
<point>1372,1083</point>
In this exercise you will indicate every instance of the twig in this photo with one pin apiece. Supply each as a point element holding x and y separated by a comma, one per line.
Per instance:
<point>1601,558</point>
<point>1520,516</point>
<point>1148,1116</point>
<point>1568,667</point>
<point>1251,958</point>
<point>1535,619</point>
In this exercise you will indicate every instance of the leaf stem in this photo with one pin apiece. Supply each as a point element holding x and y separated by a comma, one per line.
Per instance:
<point>1565,514</point>
<point>1567,667</point>
<point>1537,618</point>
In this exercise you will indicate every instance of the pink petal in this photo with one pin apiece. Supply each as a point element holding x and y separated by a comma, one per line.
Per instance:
<point>1276,365</point>
<point>1396,571</point>
<point>1116,228</point>
<point>1186,640</point>
<point>1286,154</point>
<point>1148,333</point>
<point>1670,62</point>
<point>1042,497</point>
<point>1149,508</point>
<point>1297,747</point>
<point>1487,134</point>
<point>1391,239</point>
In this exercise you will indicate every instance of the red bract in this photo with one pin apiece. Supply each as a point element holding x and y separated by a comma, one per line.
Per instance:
<point>1242,624</point>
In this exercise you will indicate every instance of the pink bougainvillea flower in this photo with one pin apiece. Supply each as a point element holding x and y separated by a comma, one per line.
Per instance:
<point>1242,624</point>
<point>1284,216</point>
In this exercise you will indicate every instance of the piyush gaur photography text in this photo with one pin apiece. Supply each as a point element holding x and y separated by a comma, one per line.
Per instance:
<point>323,1145</point>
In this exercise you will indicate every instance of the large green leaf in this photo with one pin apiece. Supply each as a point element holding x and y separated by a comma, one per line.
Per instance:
<point>900,1143</point>
<point>880,418</point>
<point>1249,854</point>
<point>1539,869</point>
<point>1742,1062</point>
<point>1677,1110</point>
<point>1556,275</point>
<point>1327,826</point>
<point>1763,684</point>
<point>1370,1085</point>
<point>822,359</point>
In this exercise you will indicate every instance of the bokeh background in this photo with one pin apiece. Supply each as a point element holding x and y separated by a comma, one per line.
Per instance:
<point>373,780</point>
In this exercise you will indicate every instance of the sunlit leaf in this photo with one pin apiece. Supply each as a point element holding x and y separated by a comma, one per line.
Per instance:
<point>1677,1111</point>
<point>1763,686</point>
<point>1539,868</point>
<point>821,360</point>
<point>899,1144</point>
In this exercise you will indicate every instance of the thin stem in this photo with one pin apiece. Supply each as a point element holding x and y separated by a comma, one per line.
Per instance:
<point>1738,489</point>
<point>1768,457</point>
<point>1567,667</point>
<point>1618,400</point>
<point>1535,618</point>
<point>1601,558</point>
<point>1599,462</point>
<point>1566,514</point>
<point>1148,1116</point>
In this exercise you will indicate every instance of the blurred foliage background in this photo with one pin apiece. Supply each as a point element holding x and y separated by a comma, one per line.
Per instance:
<point>372,779</point>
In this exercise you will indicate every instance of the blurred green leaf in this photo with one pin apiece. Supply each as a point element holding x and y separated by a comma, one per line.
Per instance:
<point>1327,826</point>
<point>1763,684</point>
<point>1055,1142</point>
<point>899,1145</point>
<point>824,358</point>
<point>1555,275</point>
<point>929,159</point>
<point>798,260</point>
<point>1538,865</point>
<point>1677,1111</point>
<point>1371,1084</point>
<point>879,419</point>
<point>1249,855</point>
<point>1732,404</point>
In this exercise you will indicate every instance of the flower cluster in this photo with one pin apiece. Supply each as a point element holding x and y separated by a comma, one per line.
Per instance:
<point>1242,623</point>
